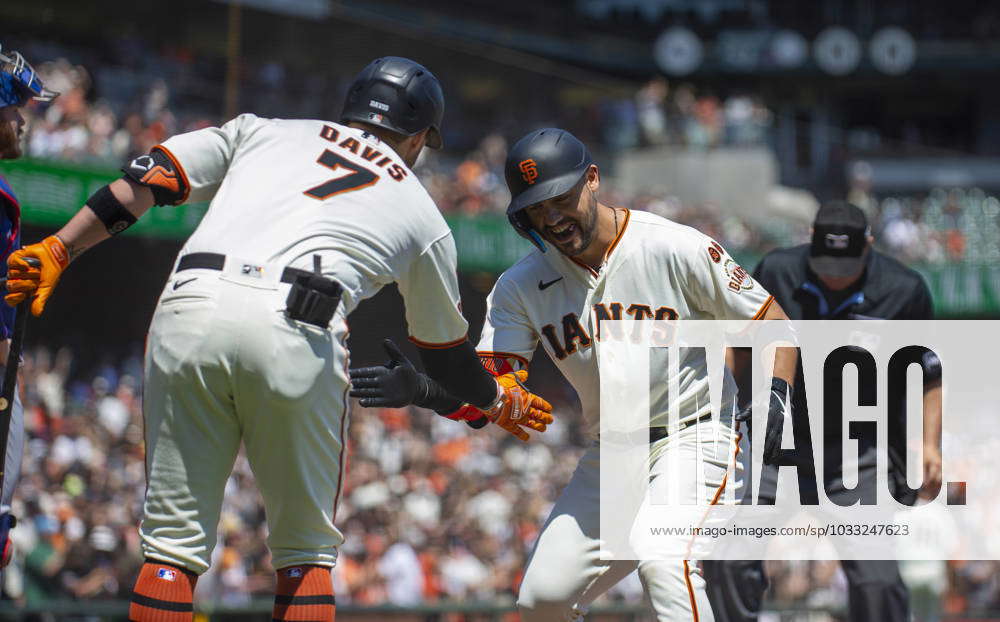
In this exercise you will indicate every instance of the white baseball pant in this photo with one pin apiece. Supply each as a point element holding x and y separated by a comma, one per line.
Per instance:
<point>566,573</point>
<point>224,365</point>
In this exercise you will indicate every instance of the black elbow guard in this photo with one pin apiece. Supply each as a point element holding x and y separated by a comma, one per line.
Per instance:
<point>110,211</point>
<point>159,172</point>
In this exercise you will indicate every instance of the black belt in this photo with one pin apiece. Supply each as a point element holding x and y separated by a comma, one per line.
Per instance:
<point>215,261</point>
<point>656,433</point>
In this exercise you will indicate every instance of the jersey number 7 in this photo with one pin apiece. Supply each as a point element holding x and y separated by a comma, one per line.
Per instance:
<point>358,177</point>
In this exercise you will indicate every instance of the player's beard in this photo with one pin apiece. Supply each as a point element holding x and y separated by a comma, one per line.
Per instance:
<point>587,230</point>
<point>10,142</point>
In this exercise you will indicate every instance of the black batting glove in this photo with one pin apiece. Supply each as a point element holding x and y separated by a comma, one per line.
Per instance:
<point>779,396</point>
<point>395,384</point>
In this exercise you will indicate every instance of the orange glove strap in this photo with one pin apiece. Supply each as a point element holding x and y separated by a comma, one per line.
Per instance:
<point>58,250</point>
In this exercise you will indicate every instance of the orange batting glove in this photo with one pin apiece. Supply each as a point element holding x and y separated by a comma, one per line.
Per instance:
<point>25,281</point>
<point>515,406</point>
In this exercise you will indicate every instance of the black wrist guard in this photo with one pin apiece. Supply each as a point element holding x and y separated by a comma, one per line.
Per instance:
<point>110,211</point>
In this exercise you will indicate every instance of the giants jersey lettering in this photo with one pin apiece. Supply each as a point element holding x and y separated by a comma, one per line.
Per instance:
<point>284,190</point>
<point>655,269</point>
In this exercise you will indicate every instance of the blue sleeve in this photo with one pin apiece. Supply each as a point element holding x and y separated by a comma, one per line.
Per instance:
<point>7,245</point>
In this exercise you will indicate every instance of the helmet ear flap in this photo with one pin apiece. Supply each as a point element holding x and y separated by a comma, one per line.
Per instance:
<point>522,224</point>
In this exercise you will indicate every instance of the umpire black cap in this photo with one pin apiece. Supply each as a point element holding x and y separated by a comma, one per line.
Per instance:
<point>398,94</point>
<point>544,164</point>
<point>840,237</point>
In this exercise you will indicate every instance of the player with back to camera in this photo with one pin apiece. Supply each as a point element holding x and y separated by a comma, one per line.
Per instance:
<point>594,261</point>
<point>19,84</point>
<point>248,340</point>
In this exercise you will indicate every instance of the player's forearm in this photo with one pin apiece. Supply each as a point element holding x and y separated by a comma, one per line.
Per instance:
<point>460,373</point>
<point>436,397</point>
<point>86,229</point>
<point>786,359</point>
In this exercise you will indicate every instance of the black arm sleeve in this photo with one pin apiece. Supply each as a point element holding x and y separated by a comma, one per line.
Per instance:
<point>460,373</point>
<point>433,396</point>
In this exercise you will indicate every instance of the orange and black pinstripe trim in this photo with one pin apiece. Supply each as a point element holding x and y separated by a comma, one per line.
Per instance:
<point>763,308</point>
<point>611,247</point>
<point>180,171</point>
<point>621,232</point>
<point>438,346</point>
<point>722,486</point>
<point>343,425</point>
<point>687,581</point>
<point>502,355</point>
<point>715,499</point>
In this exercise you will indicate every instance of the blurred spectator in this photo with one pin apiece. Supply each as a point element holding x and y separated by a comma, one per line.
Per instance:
<point>431,510</point>
<point>651,105</point>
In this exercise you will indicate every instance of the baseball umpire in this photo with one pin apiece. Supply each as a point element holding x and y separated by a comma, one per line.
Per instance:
<point>18,85</point>
<point>839,275</point>
<point>248,340</point>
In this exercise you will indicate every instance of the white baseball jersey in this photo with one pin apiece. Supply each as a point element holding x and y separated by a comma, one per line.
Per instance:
<point>655,269</point>
<point>226,367</point>
<point>283,190</point>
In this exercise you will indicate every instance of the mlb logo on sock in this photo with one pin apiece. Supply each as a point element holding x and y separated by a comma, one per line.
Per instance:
<point>166,574</point>
<point>295,573</point>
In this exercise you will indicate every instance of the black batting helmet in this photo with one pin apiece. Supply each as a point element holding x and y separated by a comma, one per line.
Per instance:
<point>397,94</point>
<point>544,164</point>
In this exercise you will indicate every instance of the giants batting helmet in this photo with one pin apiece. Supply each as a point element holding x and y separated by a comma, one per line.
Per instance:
<point>19,82</point>
<point>544,164</point>
<point>399,95</point>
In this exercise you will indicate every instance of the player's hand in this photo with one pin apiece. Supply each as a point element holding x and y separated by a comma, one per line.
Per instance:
<point>932,473</point>
<point>398,383</point>
<point>778,397</point>
<point>517,408</point>
<point>26,281</point>
<point>395,384</point>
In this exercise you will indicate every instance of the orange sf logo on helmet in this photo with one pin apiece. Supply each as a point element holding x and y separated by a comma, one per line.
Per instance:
<point>529,170</point>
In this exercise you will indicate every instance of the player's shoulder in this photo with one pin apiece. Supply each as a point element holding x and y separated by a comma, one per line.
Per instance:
<point>652,231</point>
<point>288,127</point>
<point>656,226</point>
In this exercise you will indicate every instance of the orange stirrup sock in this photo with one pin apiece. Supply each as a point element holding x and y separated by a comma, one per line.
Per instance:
<point>304,593</point>
<point>162,593</point>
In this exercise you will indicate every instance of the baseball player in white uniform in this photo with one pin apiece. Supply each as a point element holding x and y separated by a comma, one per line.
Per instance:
<point>597,262</point>
<point>248,341</point>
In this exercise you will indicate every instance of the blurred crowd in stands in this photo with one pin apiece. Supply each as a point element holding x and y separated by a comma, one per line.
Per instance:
<point>940,227</point>
<point>658,115</point>
<point>432,511</point>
